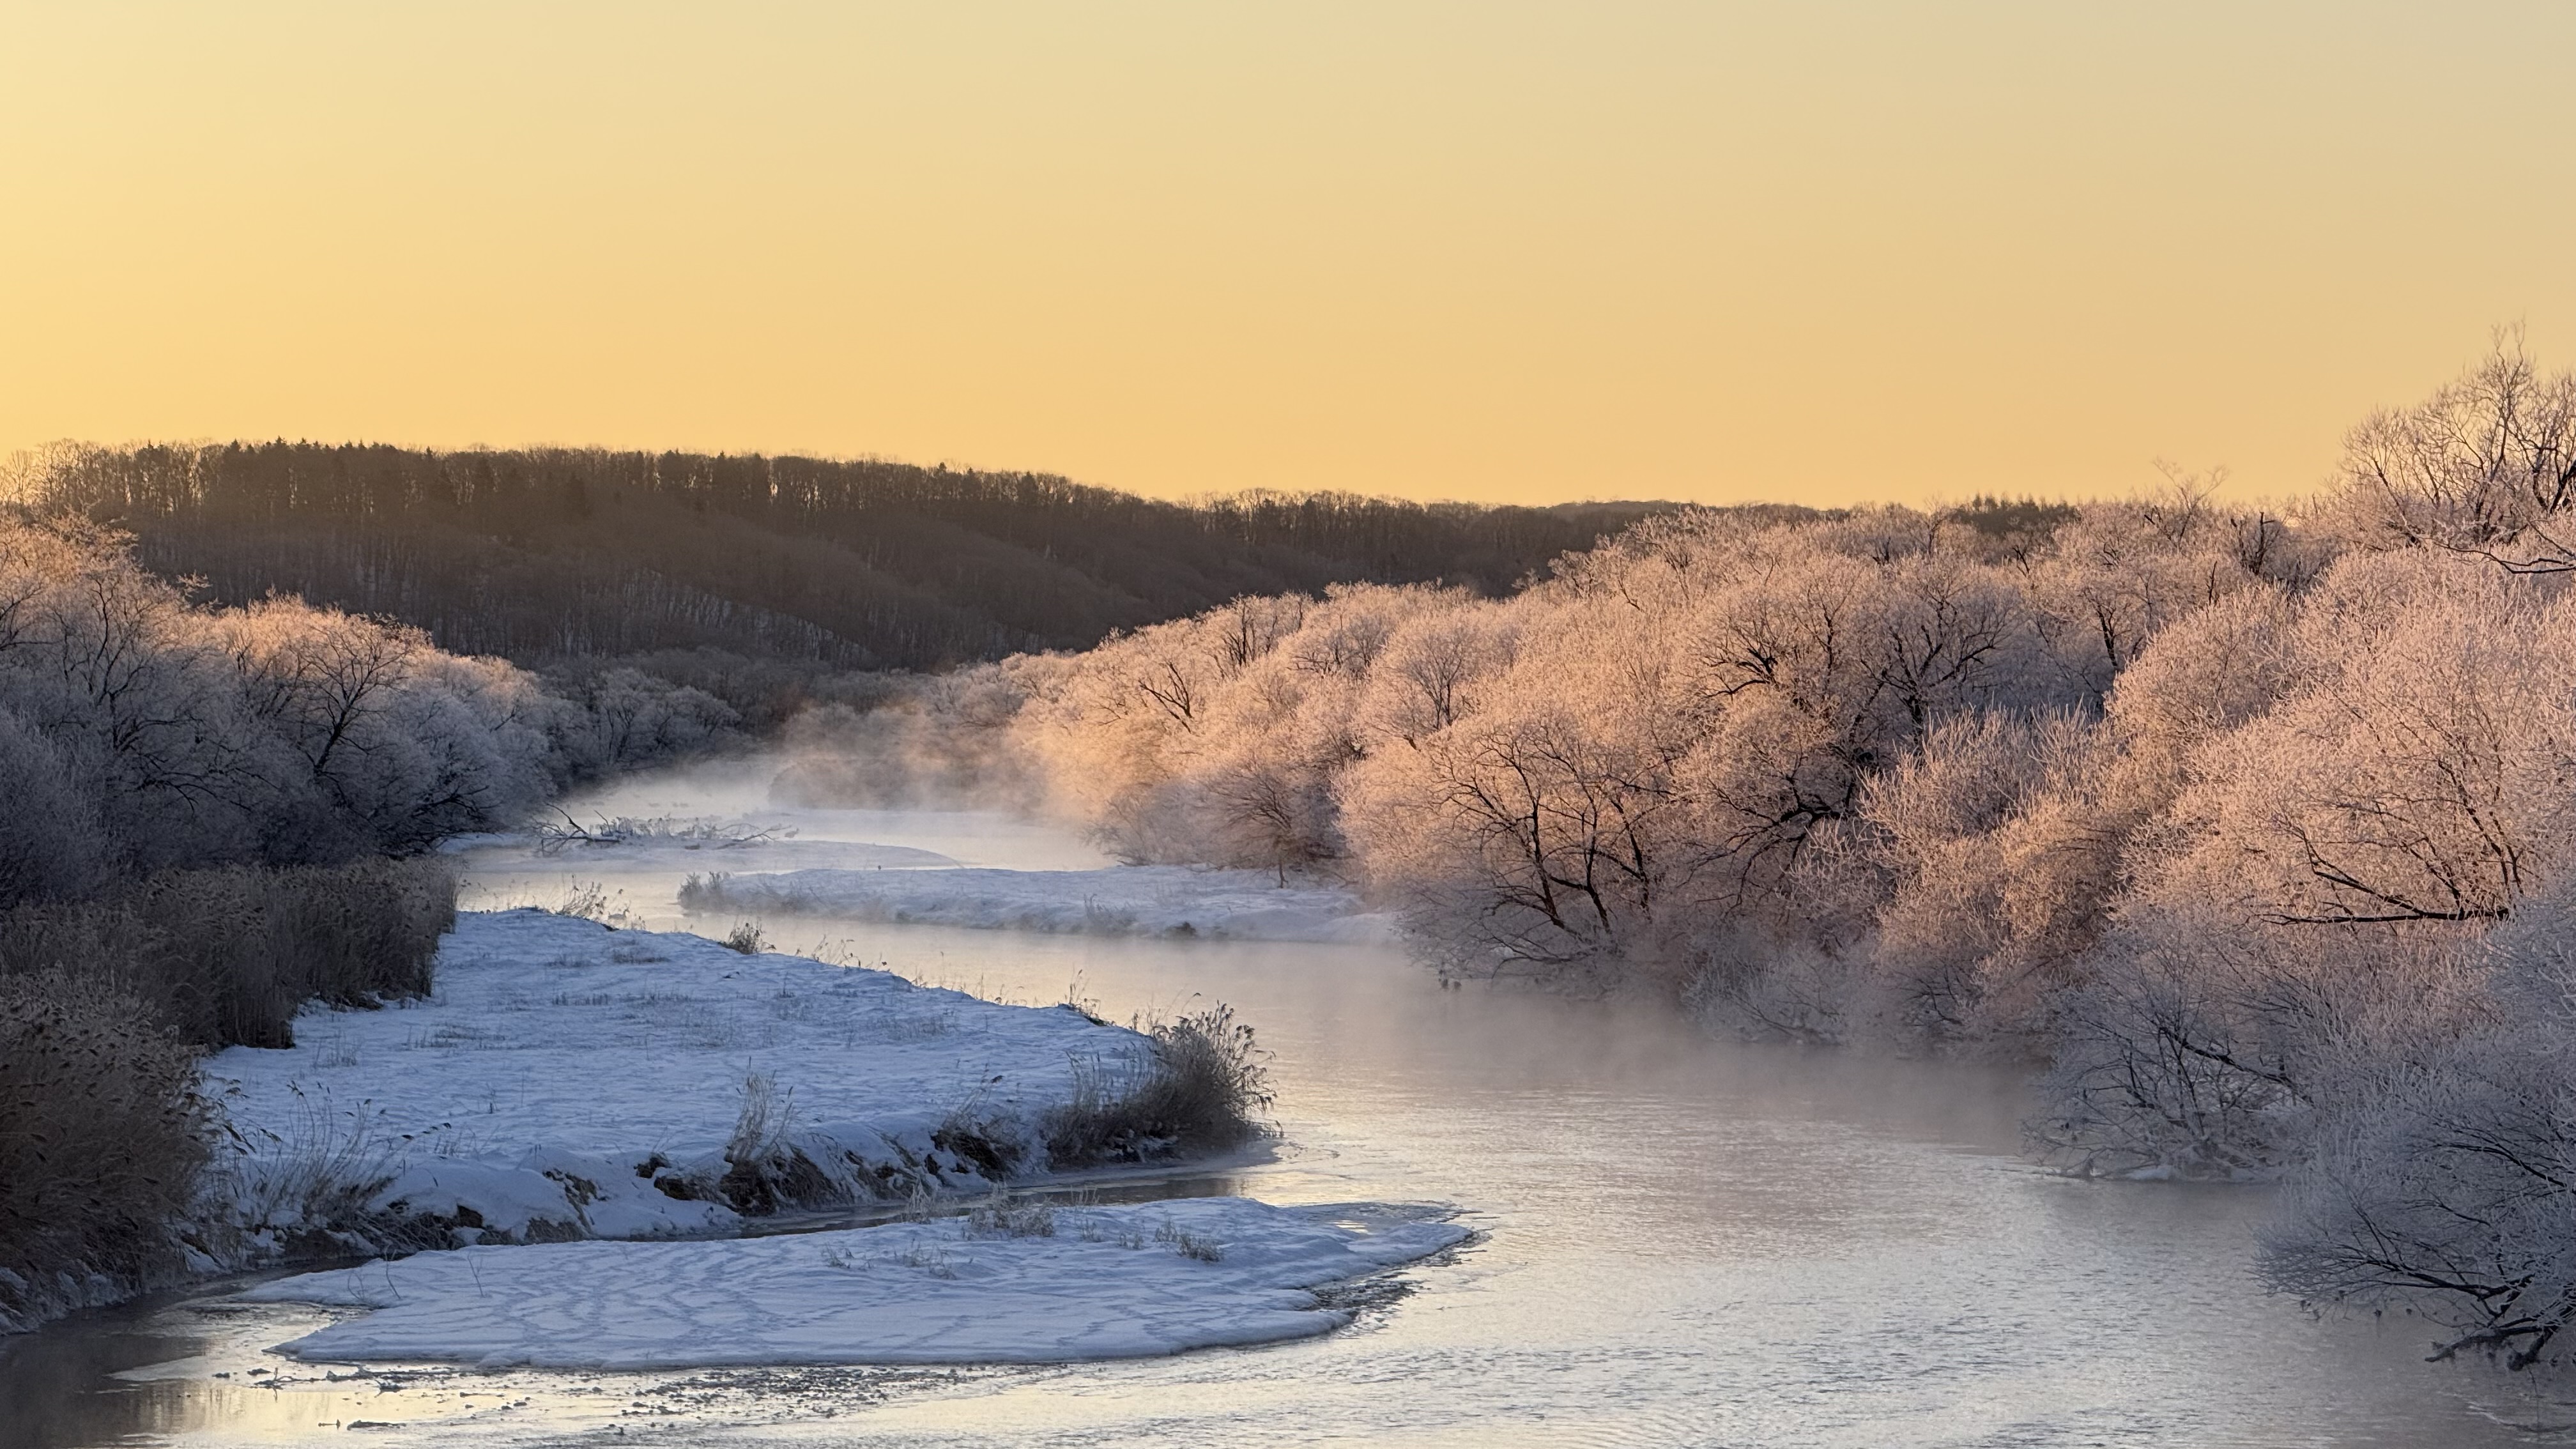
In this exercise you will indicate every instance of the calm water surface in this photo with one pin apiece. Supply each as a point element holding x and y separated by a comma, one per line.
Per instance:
<point>1685,1242</point>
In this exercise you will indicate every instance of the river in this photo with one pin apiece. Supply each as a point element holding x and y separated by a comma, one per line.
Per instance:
<point>1683,1241</point>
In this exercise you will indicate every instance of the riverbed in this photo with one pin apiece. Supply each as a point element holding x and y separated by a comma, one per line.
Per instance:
<point>1681,1241</point>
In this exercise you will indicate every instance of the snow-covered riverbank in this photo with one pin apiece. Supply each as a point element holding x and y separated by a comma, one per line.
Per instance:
<point>567,1080</point>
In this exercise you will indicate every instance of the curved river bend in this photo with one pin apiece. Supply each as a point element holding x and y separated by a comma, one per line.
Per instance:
<point>1686,1242</point>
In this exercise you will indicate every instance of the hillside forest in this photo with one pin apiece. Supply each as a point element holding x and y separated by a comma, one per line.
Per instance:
<point>781,564</point>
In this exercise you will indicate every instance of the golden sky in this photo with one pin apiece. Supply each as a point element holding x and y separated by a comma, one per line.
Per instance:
<point>1813,251</point>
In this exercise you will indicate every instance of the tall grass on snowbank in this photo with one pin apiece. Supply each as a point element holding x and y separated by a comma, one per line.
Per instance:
<point>104,1007</point>
<point>1194,1086</point>
<point>101,1136</point>
<point>227,957</point>
<point>1202,1086</point>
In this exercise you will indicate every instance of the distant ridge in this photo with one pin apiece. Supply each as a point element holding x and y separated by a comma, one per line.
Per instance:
<point>541,555</point>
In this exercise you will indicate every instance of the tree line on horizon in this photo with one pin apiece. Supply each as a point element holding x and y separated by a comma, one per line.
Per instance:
<point>541,555</point>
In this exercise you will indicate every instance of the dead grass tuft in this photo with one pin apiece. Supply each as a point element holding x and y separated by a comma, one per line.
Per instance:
<point>1200,1086</point>
<point>1002,1216</point>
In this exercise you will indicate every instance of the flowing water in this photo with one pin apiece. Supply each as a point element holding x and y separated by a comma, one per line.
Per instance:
<point>1684,1241</point>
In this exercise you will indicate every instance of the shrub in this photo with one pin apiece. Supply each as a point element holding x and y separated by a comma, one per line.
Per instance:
<point>101,1136</point>
<point>1199,1087</point>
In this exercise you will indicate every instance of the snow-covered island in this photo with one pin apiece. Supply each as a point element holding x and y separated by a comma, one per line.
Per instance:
<point>566,1082</point>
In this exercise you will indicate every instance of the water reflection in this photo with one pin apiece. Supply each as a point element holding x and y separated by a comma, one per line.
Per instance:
<point>179,1367</point>
<point>196,1370</point>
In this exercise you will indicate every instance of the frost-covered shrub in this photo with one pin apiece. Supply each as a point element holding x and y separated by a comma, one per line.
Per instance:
<point>1216,739</point>
<point>2322,864</point>
<point>623,719</point>
<point>1000,1215</point>
<point>765,1170</point>
<point>393,744</point>
<point>2445,1193</point>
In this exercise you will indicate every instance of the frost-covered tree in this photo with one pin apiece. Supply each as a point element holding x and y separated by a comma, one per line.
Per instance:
<point>139,731</point>
<point>52,842</point>
<point>2324,859</point>
<point>2443,1177</point>
<point>2486,465</point>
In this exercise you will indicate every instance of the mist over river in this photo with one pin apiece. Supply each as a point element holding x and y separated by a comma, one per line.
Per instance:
<point>1682,1241</point>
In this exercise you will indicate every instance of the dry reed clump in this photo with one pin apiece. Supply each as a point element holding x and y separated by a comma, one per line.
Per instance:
<point>105,1005</point>
<point>1001,1215</point>
<point>765,1170</point>
<point>1188,1244</point>
<point>226,957</point>
<point>101,1137</point>
<point>703,892</point>
<point>1201,1086</point>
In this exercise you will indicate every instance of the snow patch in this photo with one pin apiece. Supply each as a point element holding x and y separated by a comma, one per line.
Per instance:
<point>1128,900</point>
<point>1104,1282</point>
<point>692,845</point>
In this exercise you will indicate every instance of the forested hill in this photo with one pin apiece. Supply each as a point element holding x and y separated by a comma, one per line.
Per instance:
<point>543,554</point>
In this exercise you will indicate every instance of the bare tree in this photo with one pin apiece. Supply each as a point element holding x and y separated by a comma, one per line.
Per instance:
<point>2486,465</point>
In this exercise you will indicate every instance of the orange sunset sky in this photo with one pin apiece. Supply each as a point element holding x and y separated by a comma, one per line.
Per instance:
<point>1820,252</point>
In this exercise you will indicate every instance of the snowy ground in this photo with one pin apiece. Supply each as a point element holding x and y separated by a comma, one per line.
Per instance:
<point>567,1080</point>
<point>1039,1286</point>
<point>1117,900</point>
<point>708,852</point>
